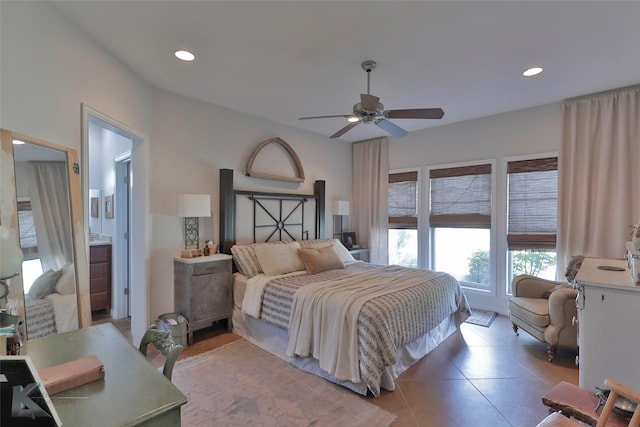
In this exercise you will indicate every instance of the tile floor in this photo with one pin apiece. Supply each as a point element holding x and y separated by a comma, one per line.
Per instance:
<point>479,377</point>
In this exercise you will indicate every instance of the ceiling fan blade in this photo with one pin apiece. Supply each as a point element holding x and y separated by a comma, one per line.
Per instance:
<point>416,113</point>
<point>369,102</point>
<point>391,128</point>
<point>344,130</point>
<point>324,117</point>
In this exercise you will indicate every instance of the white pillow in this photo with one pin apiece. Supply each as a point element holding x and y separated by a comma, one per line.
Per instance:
<point>279,259</point>
<point>343,252</point>
<point>66,283</point>
<point>45,284</point>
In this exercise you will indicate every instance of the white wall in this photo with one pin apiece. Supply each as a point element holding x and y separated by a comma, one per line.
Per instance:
<point>525,132</point>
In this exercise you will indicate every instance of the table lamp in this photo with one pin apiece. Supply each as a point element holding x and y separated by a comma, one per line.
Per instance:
<point>340,209</point>
<point>191,207</point>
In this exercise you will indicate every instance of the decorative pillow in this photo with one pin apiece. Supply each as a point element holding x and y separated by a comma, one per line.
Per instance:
<point>320,259</point>
<point>246,260</point>
<point>279,259</point>
<point>548,293</point>
<point>316,243</point>
<point>66,284</point>
<point>343,252</point>
<point>45,284</point>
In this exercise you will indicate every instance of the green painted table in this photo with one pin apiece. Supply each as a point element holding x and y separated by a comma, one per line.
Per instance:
<point>133,391</point>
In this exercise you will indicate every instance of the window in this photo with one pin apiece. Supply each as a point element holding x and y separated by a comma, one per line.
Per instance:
<point>460,222</point>
<point>403,218</point>
<point>532,220</point>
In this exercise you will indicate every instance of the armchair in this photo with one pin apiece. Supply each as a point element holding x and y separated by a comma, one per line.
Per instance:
<point>545,309</point>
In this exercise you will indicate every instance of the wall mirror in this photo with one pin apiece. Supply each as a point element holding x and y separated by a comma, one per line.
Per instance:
<point>41,200</point>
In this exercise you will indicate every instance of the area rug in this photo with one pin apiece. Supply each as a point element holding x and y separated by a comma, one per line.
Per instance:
<point>240,384</point>
<point>481,317</point>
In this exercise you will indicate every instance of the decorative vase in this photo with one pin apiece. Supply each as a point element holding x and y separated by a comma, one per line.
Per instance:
<point>636,242</point>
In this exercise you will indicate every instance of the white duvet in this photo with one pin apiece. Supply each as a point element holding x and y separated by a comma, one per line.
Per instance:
<point>65,308</point>
<point>252,301</point>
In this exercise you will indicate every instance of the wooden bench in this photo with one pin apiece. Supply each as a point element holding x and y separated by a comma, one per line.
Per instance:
<point>580,404</point>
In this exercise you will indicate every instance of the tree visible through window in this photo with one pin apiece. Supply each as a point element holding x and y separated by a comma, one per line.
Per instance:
<point>460,222</point>
<point>532,220</point>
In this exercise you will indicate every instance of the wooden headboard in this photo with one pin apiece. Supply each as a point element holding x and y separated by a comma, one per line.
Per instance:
<point>284,213</point>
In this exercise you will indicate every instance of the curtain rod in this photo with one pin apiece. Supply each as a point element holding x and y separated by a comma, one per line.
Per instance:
<point>597,94</point>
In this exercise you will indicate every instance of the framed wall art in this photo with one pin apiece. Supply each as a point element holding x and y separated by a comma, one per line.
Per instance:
<point>108,206</point>
<point>95,207</point>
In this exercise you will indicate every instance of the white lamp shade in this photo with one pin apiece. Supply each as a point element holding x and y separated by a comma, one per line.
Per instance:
<point>194,205</point>
<point>10,253</point>
<point>341,207</point>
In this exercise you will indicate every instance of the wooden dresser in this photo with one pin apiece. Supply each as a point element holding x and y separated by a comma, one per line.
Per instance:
<point>100,277</point>
<point>202,290</point>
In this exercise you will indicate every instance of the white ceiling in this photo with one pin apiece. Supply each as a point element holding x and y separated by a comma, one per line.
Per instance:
<point>284,60</point>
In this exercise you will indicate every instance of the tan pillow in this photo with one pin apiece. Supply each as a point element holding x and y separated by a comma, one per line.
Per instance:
<point>320,259</point>
<point>548,293</point>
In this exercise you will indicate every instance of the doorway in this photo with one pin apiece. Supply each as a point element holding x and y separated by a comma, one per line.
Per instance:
<point>109,153</point>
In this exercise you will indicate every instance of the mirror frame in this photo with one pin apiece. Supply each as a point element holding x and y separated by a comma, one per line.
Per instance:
<point>9,218</point>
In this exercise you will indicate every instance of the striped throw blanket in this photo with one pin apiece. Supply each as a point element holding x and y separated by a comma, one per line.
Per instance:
<point>416,302</point>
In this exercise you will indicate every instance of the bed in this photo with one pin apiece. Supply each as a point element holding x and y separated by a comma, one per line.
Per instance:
<point>290,291</point>
<point>51,304</point>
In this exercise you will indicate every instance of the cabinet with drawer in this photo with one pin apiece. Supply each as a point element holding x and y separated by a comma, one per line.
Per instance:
<point>608,316</point>
<point>100,277</point>
<point>202,290</point>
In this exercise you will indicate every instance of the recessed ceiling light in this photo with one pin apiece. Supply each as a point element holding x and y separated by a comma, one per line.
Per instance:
<point>353,119</point>
<point>534,71</point>
<point>185,55</point>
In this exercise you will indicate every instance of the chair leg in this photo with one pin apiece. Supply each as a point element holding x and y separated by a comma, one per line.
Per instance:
<point>515,328</point>
<point>551,352</point>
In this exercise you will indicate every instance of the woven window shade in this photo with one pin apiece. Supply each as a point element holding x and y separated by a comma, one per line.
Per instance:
<point>403,200</point>
<point>533,204</point>
<point>461,197</point>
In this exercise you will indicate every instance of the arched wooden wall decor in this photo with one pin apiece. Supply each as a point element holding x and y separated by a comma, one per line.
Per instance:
<point>299,170</point>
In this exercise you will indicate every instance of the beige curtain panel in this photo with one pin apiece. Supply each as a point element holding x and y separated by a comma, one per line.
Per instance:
<point>599,175</point>
<point>370,196</point>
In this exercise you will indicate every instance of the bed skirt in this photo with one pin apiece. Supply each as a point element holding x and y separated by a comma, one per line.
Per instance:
<point>274,340</point>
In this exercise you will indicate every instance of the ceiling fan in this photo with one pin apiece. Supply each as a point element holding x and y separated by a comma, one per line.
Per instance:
<point>370,110</point>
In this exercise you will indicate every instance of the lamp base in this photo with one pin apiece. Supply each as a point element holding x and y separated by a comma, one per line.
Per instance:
<point>191,253</point>
<point>191,230</point>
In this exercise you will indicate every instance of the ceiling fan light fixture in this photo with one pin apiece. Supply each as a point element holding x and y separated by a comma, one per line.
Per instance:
<point>533,71</point>
<point>353,119</point>
<point>184,55</point>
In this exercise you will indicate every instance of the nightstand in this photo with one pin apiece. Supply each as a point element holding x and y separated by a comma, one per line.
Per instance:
<point>202,290</point>
<point>361,254</point>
